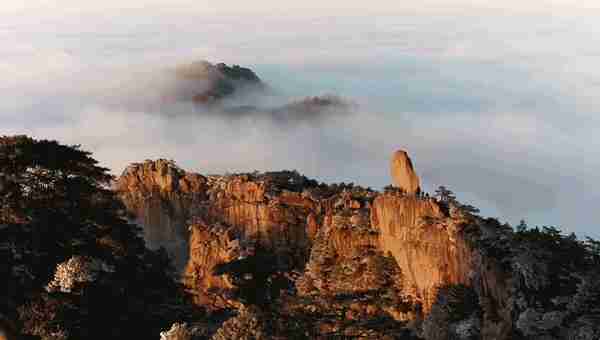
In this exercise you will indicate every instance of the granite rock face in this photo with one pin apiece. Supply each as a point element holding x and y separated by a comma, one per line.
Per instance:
<point>344,261</point>
<point>403,173</point>
<point>430,254</point>
<point>271,210</point>
<point>222,216</point>
<point>340,240</point>
<point>161,197</point>
<point>209,247</point>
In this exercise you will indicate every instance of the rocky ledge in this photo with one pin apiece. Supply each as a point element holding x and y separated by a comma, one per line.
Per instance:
<point>341,260</point>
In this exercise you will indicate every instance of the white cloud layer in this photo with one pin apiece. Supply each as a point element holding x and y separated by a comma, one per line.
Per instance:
<point>331,6</point>
<point>500,105</point>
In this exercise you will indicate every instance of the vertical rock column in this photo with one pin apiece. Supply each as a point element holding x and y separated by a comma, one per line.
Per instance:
<point>403,173</point>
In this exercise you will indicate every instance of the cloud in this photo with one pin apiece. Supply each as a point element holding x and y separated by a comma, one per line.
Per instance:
<point>270,6</point>
<point>502,109</point>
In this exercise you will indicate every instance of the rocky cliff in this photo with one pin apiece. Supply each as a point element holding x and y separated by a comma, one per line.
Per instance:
<point>276,210</point>
<point>430,253</point>
<point>272,210</point>
<point>162,198</point>
<point>394,248</point>
<point>345,261</point>
<point>271,256</point>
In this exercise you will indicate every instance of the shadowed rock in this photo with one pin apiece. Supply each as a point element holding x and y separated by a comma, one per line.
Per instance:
<point>217,81</point>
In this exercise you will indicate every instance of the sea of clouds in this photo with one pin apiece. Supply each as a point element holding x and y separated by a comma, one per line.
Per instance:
<point>500,105</point>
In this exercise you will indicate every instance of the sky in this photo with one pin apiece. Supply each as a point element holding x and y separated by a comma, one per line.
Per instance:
<point>499,103</point>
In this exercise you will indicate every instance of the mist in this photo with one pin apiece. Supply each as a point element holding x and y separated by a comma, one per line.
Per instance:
<point>500,108</point>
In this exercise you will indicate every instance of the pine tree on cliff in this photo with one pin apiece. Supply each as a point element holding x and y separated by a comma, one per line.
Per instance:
<point>55,204</point>
<point>445,195</point>
<point>59,197</point>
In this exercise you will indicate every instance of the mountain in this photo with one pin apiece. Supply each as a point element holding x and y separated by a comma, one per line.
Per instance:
<point>237,92</point>
<point>272,255</point>
<point>162,198</point>
<point>215,82</point>
<point>345,261</point>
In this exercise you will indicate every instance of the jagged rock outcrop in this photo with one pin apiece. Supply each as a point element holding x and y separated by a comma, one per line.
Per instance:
<point>428,249</point>
<point>162,198</point>
<point>216,81</point>
<point>242,212</point>
<point>347,263</point>
<point>264,210</point>
<point>341,260</point>
<point>211,246</point>
<point>403,173</point>
<point>348,229</point>
<point>277,211</point>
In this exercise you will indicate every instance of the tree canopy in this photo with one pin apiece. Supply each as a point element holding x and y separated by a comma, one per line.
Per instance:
<point>56,204</point>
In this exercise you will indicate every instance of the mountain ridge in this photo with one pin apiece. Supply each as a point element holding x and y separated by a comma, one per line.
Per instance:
<point>272,255</point>
<point>314,231</point>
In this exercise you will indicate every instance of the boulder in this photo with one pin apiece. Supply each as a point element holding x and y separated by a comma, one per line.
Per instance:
<point>403,173</point>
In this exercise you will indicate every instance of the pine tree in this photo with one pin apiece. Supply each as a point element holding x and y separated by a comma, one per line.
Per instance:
<point>55,204</point>
<point>445,195</point>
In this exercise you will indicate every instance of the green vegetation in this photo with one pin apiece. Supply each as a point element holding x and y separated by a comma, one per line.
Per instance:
<point>257,278</point>
<point>551,273</point>
<point>462,301</point>
<point>454,315</point>
<point>55,204</point>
